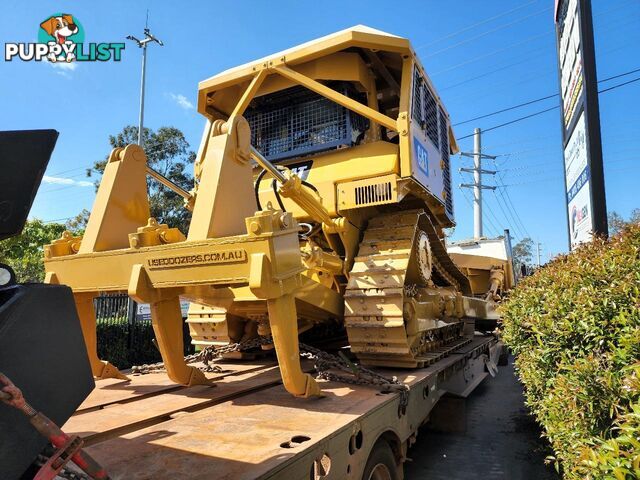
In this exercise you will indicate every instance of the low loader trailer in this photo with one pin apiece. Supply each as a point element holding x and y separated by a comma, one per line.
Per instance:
<point>249,427</point>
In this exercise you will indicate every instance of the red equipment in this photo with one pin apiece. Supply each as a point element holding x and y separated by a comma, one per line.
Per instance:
<point>67,447</point>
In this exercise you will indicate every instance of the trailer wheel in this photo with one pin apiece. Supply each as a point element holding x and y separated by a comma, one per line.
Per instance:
<point>381,464</point>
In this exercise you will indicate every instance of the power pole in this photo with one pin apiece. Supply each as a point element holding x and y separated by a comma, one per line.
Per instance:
<point>143,44</point>
<point>477,182</point>
<point>538,245</point>
<point>477,185</point>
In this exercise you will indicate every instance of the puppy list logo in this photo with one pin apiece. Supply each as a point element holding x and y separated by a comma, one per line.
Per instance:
<point>61,39</point>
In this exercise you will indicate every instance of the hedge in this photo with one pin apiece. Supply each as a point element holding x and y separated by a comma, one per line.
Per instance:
<point>125,344</point>
<point>574,327</point>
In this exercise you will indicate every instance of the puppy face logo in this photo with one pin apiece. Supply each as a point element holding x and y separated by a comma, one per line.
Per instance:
<point>60,27</point>
<point>62,32</point>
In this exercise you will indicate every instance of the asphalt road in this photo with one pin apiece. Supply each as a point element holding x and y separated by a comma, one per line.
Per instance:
<point>501,442</point>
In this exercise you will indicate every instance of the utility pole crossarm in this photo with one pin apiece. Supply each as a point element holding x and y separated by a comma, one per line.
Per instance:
<point>482,155</point>
<point>473,170</point>
<point>473,185</point>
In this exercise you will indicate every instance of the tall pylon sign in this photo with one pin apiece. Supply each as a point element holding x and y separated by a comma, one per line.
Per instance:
<point>580,118</point>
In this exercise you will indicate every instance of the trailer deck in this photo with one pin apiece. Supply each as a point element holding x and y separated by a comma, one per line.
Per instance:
<point>247,426</point>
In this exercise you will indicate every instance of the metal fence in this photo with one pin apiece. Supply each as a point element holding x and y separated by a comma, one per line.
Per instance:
<point>124,338</point>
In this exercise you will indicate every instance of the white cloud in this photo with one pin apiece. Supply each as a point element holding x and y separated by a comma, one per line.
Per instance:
<point>66,181</point>
<point>65,65</point>
<point>182,101</point>
<point>64,68</point>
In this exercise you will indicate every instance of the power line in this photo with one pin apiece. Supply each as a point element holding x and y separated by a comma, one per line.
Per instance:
<point>528,140</point>
<point>501,27</point>
<point>551,71</point>
<point>511,206</point>
<point>55,220</point>
<point>489,54</point>
<point>69,170</point>
<point>490,211</point>
<point>513,121</point>
<point>506,217</point>
<point>470,202</point>
<point>547,97</point>
<point>545,110</point>
<point>510,214</point>
<point>531,102</point>
<point>613,77</point>
<point>546,179</point>
<point>555,177</point>
<point>619,85</point>
<point>477,24</point>
<point>496,70</point>
<point>539,74</point>
<point>543,50</point>
<point>516,227</point>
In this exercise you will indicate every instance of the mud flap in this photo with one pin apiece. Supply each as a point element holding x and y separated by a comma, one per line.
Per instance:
<point>42,351</point>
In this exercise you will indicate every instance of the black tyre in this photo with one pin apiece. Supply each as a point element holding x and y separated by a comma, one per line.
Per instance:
<point>7,275</point>
<point>381,464</point>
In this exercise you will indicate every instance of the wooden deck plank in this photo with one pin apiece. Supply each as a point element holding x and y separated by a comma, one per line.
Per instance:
<point>112,390</point>
<point>94,425</point>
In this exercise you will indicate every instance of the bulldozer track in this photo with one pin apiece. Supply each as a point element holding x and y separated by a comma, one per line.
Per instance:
<point>377,289</point>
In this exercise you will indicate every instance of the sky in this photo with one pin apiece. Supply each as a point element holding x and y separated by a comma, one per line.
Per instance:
<point>482,56</point>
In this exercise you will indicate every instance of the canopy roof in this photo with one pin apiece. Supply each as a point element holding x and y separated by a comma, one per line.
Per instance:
<point>357,36</point>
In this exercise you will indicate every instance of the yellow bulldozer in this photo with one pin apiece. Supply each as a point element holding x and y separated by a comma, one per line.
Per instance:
<point>322,188</point>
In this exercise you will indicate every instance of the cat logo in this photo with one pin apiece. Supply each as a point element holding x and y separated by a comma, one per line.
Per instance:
<point>422,156</point>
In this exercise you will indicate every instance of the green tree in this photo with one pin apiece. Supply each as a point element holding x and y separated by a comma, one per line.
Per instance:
<point>78,224</point>
<point>522,252</point>
<point>169,153</point>
<point>23,252</point>
<point>617,223</point>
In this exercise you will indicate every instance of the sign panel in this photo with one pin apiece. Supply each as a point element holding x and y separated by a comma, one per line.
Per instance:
<point>577,180</point>
<point>580,120</point>
<point>143,310</point>
<point>570,63</point>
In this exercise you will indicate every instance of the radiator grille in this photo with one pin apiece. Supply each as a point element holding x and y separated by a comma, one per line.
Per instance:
<point>377,193</point>
<point>431,116</point>
<point>297,121</point>
<point>446,171</point>
<point>416,109</point>
<point>424,109</point>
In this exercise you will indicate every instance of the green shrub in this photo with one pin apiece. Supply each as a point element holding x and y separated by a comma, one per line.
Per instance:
<point>125,344</point>
<point>574,327</point>
<point>113,343</point>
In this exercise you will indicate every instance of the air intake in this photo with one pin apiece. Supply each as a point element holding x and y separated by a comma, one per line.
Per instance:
<point>371,191</point>
<point>378,193</point>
